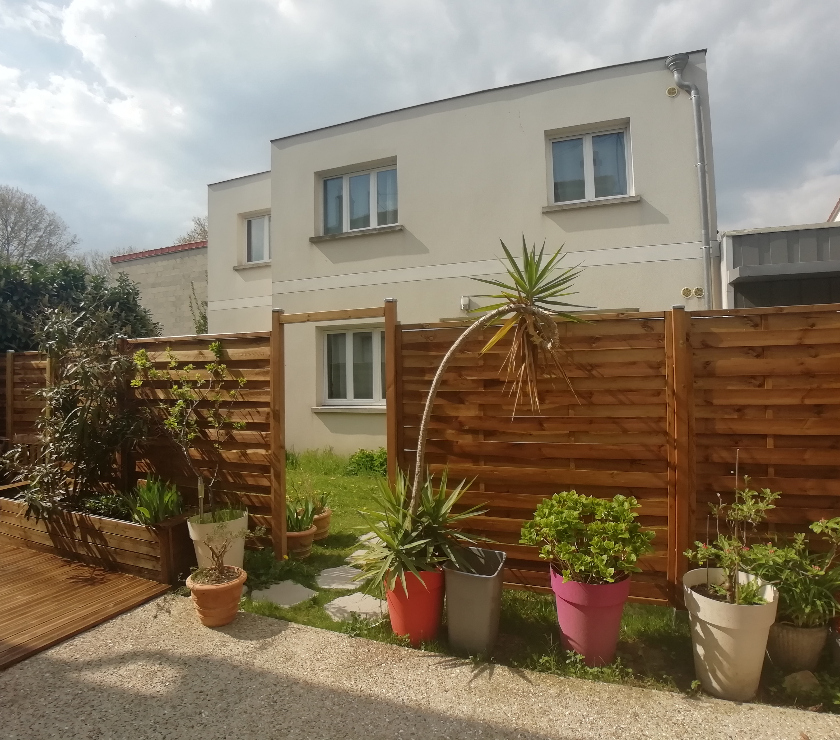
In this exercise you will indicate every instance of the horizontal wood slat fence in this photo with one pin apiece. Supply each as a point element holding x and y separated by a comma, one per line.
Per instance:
<point>661,402</point>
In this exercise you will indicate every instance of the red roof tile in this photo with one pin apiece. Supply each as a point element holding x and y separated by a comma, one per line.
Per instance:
<point>156,252</point>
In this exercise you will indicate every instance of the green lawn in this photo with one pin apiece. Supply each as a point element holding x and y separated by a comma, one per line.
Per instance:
<point>654,648</point>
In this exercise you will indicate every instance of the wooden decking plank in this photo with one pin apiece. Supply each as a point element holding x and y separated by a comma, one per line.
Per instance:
<point>47,599</point>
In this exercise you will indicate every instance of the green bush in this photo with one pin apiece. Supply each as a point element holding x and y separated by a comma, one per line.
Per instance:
<point>588,539</point>
<point>154,501</point>
<point>368,462</point>
<point>110,505</point>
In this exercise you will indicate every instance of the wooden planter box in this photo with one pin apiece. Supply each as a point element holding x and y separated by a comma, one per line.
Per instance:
<point>160,553</point>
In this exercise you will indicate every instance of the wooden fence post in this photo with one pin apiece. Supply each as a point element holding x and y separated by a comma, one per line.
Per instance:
<point>277,454</point>
<point>392,407</point>
<point>681,526</point>
<point>10,396</point>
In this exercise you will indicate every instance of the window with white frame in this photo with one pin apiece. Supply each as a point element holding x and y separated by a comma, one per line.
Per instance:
<point>590,166</point>
<point>354,367</point>
<point>256,239</point>
<point>361,200</point>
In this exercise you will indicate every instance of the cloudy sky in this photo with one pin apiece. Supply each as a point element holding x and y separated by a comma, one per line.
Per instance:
<point>117,113</point>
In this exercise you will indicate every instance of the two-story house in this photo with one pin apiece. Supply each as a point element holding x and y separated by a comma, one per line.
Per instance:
<point>411,204</point>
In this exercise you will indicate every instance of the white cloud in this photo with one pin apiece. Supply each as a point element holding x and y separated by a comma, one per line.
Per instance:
<point>116,113</point>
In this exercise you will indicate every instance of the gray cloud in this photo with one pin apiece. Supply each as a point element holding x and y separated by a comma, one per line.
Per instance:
<point>116,114</point>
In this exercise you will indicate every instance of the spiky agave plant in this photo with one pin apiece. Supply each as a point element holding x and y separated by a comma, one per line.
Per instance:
<point>531,302</point>
<point>531,296</point>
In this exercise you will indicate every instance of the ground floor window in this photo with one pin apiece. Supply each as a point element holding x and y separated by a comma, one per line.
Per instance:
<point>354,365</point>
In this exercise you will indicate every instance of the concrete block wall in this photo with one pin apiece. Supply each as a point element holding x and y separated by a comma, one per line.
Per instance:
<point>165,277</point>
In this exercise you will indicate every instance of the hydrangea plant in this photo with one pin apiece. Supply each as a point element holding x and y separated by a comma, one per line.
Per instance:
<point>588,539</point>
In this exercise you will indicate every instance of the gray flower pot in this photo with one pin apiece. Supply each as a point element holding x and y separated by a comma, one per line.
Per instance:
<point>474,600</point>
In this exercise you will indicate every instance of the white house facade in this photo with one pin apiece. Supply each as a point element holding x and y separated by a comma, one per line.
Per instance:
<point>412,204</point>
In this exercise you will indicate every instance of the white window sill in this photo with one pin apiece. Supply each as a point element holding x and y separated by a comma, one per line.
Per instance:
<point>571,205</point>
<point>379,409</point>
<point>249,265</point>
<point>357,232</point>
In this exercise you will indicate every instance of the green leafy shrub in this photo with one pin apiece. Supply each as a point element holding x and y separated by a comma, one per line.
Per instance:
<point>154,501</point>
<point>588,539</point>
<point>733,552</point>
<point>110,505</point>
<point>807,581</point>
<point>368,462</point>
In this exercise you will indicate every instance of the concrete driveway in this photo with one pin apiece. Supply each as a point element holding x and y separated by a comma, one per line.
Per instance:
<point>155,672</point>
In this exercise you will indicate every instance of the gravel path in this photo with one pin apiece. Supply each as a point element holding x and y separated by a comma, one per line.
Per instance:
<point>156,673</point>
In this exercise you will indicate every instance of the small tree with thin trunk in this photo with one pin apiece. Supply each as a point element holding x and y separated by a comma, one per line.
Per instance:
<point>529,303</point>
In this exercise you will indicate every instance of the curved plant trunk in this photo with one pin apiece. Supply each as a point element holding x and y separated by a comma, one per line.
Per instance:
<point>430,399</point>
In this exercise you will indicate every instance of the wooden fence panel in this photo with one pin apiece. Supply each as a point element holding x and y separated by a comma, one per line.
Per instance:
<point>767,383</point>
<point>245,458</point>
<point>609,435</point>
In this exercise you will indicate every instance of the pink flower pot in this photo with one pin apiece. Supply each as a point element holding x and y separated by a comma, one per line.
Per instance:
<point>590,617</point>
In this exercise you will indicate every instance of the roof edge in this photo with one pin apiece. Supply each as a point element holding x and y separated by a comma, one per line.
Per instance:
<point>479,92</point>
<point>240,177</point>
<point>156,252</point>
<point>834,212</point>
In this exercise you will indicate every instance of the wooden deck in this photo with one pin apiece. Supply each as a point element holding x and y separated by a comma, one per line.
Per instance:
<point>45,599</point>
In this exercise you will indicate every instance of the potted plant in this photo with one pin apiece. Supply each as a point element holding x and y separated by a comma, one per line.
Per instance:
<point>300,531</point>
<point>322,515</point>
<point>593,546</point>
<point>730,609</point>
<point>232,520</point>
<point>807,582</point>
<point>216,589</point>
<point>406,555</point>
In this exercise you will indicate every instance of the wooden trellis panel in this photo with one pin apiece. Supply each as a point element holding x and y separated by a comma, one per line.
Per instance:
<point>767,382</point>
<point>610,436</point>
<point>245,473</point>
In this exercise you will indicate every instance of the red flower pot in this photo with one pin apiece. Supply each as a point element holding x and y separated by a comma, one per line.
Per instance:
<point>416,614</point>
<point>590,616</point>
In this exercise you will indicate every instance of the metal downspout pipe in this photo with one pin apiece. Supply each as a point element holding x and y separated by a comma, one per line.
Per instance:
<point>676,64</point>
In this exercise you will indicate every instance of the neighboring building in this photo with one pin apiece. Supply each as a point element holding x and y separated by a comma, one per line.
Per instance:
<point>167,278</point>
<point>835,213</point>
<point>411,204</point>
<point>781,266</point>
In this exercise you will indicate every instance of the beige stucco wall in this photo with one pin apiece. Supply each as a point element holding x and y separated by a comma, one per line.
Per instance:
<point>239,295</point>
<point>165,286</point>
<point>470,171</point>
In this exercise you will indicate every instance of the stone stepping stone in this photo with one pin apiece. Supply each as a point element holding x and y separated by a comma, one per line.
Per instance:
<point>285,593</point>
<point>355,554</point>
<point>341,577</point>
<point>370,536</point>
<point>362,604</point>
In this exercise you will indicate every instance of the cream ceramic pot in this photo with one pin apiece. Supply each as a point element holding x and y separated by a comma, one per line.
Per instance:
<point>729,640</point>
<point>236,552</point>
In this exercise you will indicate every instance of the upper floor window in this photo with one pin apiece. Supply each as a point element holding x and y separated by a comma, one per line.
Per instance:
<point>590,166</point>
<point>360,200</point>
<point>355,367</point>
<point>256,239</point>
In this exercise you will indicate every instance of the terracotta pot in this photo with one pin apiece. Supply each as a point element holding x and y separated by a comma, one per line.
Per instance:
<point>217,604</point>
<point>416,613</point>
<point>590,616</point>
<point>729,640</point>
<point>796,649</point>
<point>299,544</point>
<point>322,524</point>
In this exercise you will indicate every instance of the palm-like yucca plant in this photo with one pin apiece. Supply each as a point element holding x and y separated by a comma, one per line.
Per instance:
<point>531,302</point>
<point>409,542</point>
